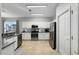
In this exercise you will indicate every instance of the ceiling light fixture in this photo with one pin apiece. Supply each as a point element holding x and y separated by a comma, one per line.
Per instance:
<point>35,6</point>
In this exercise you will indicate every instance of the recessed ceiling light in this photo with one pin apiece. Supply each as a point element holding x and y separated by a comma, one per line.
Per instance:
<point>35,6</point>
<point>37,14</point>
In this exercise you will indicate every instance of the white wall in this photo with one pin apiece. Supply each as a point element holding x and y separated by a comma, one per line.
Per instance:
<point>54,20</point>
<point>41,22</point>
<point>26,24</point>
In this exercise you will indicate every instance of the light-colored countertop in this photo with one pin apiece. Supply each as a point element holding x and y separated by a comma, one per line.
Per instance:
<point>7,41</point>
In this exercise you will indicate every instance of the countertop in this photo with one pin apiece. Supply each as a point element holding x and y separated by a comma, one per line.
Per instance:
<point>4,45</point>
<point>7,37</point>
<point>36,32</point>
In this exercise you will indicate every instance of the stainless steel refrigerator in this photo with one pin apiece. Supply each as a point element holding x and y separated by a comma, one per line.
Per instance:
<point>52,40</point>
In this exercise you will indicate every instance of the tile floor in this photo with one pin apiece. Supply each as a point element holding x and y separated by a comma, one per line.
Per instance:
<point>35,48</point>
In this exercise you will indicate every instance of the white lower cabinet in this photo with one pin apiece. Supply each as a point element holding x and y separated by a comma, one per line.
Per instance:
<point>15,38</point>
<point>26,36</point>
<point>9,50</point>
<point>43,36</point>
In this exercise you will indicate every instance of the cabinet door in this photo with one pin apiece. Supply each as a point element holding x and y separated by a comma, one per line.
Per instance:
<point>43,36</point>
<point>16,39</point>
<point>64,32</point>
<point>26,36</point>
<point>8,50</point>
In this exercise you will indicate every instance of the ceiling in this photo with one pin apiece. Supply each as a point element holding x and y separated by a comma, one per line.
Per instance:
<point>21,10</point>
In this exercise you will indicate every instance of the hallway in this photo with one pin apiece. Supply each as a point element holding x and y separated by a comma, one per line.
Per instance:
<point>35,48</point>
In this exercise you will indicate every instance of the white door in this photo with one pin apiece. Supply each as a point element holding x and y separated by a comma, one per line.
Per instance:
<point>67,32</point>
<point>61,35</point>
<point>74,29</point>
<point>64,32</point>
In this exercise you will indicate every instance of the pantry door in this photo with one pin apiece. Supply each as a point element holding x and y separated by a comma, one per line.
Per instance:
<point>64,32</point>
<point>74,27</point>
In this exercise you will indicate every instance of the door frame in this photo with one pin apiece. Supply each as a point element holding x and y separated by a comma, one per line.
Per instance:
<point>68,9</point>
